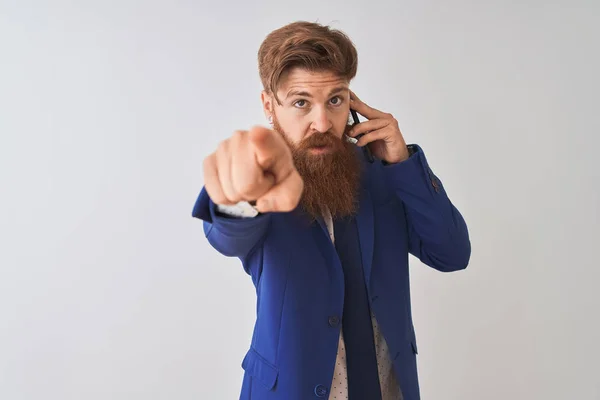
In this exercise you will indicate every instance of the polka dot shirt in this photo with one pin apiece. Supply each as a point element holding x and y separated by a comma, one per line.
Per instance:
<point>390,390</point>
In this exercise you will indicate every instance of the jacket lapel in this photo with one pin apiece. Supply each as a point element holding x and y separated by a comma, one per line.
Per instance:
<point>323,226</point>
<point>366,233</point>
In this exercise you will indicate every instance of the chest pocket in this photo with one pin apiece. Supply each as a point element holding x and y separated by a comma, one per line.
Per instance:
<point>260,369</point>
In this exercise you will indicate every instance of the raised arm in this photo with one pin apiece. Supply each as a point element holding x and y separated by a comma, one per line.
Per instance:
<point>253,165</point>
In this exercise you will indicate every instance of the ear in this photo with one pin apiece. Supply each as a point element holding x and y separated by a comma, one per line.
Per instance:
<point>268,103</point>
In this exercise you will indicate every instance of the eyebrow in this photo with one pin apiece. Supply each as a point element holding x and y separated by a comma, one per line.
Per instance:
<point>304,93</point>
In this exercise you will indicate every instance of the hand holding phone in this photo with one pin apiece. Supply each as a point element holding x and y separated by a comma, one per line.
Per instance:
<point>366,150</point>
<point>380,135</point>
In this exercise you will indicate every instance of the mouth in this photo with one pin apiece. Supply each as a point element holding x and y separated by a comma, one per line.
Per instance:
<point>320,149</point>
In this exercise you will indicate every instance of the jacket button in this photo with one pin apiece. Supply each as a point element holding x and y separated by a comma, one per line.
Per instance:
<point>334,321</point>
<point>321,391</point>
<point>434,181</point>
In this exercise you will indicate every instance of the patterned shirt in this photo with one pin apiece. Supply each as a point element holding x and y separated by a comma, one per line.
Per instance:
<point>390,390</point>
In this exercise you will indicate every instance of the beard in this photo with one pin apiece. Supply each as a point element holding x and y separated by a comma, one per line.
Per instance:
<point>331,179</point>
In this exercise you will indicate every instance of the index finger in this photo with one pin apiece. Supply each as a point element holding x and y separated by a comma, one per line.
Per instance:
<point>271,152</point>
<point>363,109</point>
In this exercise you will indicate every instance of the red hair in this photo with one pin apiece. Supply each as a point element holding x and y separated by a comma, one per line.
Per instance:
<point>306,45</point>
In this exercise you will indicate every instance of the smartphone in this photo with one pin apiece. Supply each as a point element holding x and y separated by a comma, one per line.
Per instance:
<point>366,150</point>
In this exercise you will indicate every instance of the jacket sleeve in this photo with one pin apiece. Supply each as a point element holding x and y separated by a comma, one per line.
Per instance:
<point>437,232</point>
<point>232,237</point>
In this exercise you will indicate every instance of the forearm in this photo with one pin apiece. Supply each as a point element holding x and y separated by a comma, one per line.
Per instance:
<point>232,237</point>
<point>438,233</point>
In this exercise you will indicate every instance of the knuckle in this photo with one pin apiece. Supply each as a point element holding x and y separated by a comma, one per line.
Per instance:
<point>219,199</point>
<point>246,189</point>
<point>238,135</point>
<point>223,146</point>
<point>215,194</point>
<point>260,132</point>
<point>269,160</point>
<point>255,128</point>
<point>287,202</point>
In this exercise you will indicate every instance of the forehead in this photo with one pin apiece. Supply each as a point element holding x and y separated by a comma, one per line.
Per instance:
<point>310,81</point>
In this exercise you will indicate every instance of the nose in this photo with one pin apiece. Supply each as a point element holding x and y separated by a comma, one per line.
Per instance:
<point>321,122</point>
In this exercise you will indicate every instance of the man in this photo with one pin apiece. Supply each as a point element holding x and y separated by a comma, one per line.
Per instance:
<point>328,239</point>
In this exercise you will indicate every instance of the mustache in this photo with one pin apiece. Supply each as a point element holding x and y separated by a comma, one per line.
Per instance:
<point>322,139</point>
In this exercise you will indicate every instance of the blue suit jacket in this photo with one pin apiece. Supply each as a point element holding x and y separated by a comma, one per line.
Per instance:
<point>299,279</point>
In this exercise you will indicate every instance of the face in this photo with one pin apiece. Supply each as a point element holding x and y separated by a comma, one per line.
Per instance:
<point>313,117</point>
<point>311,103</point>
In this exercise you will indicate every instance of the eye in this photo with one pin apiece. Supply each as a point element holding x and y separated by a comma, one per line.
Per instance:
<point>300,103</point>
<point>336,101</point>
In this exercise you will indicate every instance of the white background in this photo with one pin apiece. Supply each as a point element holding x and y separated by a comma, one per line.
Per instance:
<point>108,288</point>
